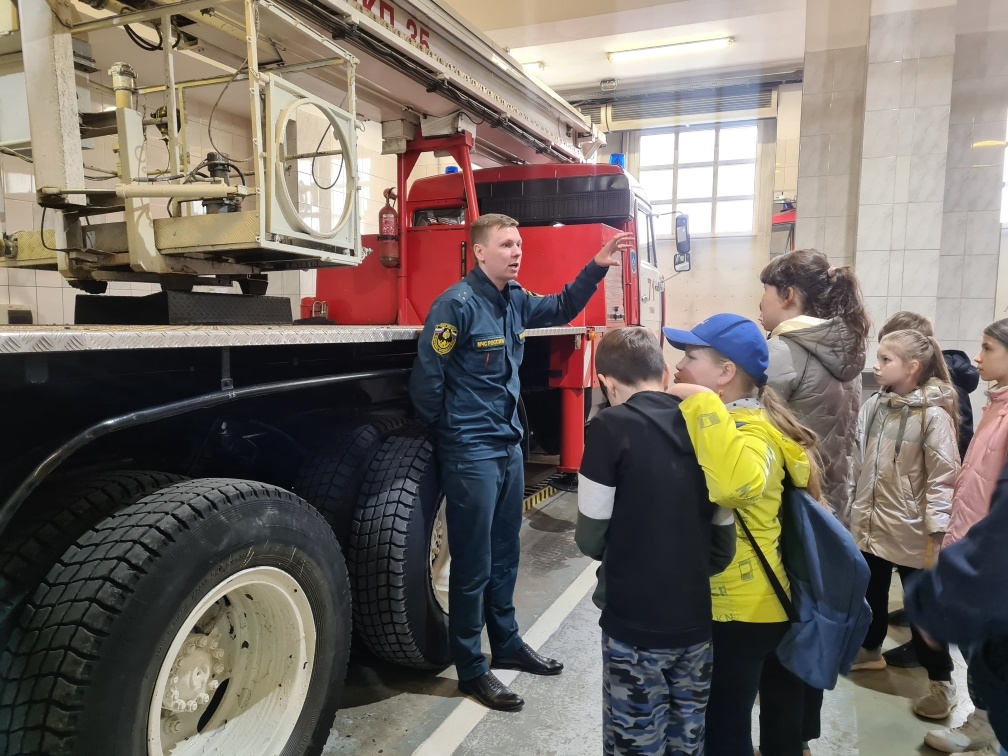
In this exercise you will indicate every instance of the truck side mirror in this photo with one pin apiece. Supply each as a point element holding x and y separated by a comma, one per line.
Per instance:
<point>682,237</point>
<point>681,262</point>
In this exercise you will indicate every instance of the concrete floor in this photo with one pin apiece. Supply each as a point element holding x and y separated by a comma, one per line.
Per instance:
<point>386,710</point>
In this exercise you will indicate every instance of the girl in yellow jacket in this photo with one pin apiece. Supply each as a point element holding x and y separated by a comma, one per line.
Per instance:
<point>746,441</point>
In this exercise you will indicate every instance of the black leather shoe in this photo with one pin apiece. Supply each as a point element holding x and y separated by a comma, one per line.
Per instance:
<point>902,656</point>
<point>528,660</point>
<point>491,692</point>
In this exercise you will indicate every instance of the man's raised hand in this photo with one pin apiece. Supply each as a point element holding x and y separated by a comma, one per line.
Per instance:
<point>609,255</point>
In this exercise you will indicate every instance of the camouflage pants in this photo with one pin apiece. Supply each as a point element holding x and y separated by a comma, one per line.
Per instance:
<point>654,701</point>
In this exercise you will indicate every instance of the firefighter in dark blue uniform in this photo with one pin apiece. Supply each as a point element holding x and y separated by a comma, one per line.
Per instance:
<point>465,385</point>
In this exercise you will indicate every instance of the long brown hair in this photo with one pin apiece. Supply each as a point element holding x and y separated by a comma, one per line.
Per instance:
<point>913,345</point>
<point>824,291</point>
<point>784,420</point>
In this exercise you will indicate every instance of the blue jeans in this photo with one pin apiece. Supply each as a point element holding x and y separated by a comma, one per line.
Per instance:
<point>484,513</point>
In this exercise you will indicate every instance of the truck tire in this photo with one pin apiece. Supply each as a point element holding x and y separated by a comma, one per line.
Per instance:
<point>398,555</point>
<point>161,627</point>
<point>331,478</point>
<point>56,516</point>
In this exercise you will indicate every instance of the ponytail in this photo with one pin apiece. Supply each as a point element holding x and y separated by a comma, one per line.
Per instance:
<point>826,292</point>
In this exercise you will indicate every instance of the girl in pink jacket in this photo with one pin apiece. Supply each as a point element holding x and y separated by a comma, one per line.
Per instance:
<point>989,447</point>
<point>971,502</point>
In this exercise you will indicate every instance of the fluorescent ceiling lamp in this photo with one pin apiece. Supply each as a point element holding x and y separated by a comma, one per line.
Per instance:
<point>675,48</point>
<point>499,62</point>
<point>534,67</point>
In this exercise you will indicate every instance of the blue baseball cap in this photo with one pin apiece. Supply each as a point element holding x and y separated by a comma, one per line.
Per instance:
<point>737,338</point>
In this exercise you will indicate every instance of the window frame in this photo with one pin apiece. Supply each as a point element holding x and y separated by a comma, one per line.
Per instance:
<point>669,206</point>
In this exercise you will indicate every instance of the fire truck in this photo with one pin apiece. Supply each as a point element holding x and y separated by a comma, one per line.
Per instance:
<point>201,501</point>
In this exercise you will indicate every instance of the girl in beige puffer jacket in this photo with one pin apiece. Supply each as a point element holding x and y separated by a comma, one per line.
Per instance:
<point>905,466</point>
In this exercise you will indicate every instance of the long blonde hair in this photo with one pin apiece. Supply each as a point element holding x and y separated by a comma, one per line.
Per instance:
<point>913,345</point>
<point>783,419</point>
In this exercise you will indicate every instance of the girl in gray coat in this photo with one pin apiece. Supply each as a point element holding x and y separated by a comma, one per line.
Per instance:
<point>818,335</point>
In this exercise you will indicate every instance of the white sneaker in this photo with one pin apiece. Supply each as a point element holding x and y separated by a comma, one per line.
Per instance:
<point>868,659</point>
<point>938,702</point>
<point>971,735</point>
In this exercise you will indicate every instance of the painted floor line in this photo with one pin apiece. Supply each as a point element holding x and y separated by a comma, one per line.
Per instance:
<point>450,734</point>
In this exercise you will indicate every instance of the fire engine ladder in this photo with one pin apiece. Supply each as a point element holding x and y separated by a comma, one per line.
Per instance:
<point>417,60</point>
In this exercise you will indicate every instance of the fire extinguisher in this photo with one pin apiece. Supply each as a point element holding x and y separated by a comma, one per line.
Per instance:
<point>388,232</point>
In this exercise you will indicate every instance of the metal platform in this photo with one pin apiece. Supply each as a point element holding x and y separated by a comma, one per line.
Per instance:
<point>41,339</point>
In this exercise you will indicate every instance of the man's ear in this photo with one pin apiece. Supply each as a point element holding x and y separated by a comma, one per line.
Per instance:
<point>478,252</point>
<point>666,377</point>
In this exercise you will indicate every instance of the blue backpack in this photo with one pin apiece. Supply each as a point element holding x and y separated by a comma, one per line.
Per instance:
<point>829,578</point>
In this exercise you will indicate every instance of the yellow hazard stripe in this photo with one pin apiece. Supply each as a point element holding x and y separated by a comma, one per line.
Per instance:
<point>534,500</point>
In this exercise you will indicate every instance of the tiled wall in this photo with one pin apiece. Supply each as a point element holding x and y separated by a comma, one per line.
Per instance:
<point>829,157</point>
<point>971,226</point>
<point>906,128</point>
<point>789,99</point>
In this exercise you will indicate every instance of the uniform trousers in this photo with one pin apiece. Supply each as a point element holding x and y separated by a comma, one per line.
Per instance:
<point>483,513</point>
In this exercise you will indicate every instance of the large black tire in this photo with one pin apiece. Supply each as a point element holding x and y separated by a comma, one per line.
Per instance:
<point>79,674</point>
<point>56,516</point>
<point>396,614</point>
<point>331,478</point>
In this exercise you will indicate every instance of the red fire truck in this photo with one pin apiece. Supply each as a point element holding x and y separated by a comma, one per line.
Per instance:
<point>565,212</point>
<point>199,499</point>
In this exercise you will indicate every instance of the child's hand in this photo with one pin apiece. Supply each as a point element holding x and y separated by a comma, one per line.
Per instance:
<point>934,545</point>
<point>686,390</point>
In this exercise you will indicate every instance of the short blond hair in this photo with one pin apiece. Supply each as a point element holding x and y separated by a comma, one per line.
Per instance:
<point>480,229</point>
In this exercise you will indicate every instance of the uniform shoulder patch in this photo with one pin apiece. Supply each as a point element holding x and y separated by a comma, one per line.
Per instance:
<point>531,293</point>
<point>445,336</point>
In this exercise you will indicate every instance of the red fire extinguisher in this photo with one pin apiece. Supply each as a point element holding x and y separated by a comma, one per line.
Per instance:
<point>388,232</point>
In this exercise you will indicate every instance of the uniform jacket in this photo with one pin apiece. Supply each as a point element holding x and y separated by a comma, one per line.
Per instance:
<point>643,510</point>
<point>981,467</point>
<point>815,365</point>
<point>965,378</point>
<point>905,466</point>
<point>465,379</point>
<point>744,458</point>
<point>962,601</point>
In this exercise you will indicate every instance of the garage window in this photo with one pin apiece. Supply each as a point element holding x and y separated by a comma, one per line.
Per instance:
<point>708,173</point>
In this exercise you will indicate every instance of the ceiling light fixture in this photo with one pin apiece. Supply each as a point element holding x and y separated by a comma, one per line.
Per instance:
<point>534,67</point>
<point>674,48</point>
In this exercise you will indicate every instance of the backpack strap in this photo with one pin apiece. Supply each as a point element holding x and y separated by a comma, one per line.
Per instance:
<point>775,583</point>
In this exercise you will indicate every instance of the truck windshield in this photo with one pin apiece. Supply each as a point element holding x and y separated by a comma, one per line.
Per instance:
<point>440,216</point>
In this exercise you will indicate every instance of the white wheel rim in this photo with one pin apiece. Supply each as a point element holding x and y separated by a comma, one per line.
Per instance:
<point>440,559</point>
<point>236,676</point>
